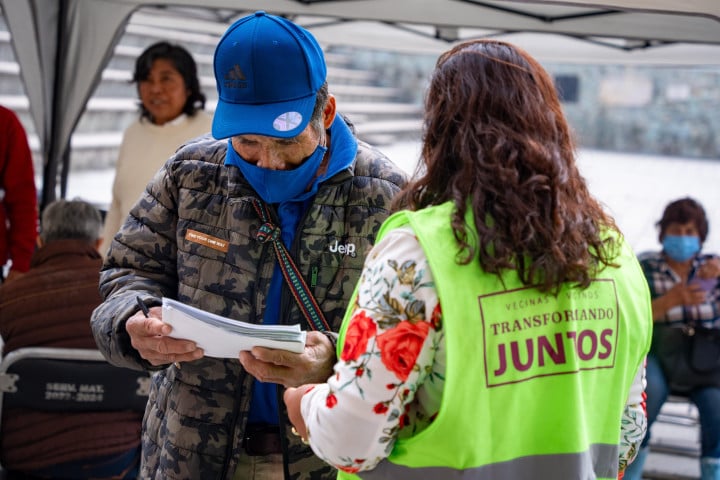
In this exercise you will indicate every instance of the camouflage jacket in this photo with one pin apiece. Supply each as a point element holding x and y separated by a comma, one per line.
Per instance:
<point>196,415</point>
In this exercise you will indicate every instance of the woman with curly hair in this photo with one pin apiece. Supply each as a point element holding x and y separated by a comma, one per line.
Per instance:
<point>501,321</point>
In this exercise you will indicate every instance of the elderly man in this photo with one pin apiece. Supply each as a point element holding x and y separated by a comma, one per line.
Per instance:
<point>282,211</point>
<point>49,306</point>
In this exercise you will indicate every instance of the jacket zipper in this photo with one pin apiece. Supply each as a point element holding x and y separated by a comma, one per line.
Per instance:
<point>236,409</point>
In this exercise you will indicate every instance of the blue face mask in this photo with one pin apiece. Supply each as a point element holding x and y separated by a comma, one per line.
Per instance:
<point>276,186</point>
<point>681,247</point>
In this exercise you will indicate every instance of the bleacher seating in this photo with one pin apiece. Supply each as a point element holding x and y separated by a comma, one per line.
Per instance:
<point>379,113</point>
<point>678,411</point>
<point>675,442</point>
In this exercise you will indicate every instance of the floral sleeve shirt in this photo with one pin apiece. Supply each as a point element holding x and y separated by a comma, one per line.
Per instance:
<point>388,381</point>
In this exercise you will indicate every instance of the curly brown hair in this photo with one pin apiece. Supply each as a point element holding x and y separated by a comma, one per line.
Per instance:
<point>495,140</point>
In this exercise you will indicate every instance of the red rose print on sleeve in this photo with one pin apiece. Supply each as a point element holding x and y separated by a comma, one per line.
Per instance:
<point>400,346</point>
<point>361,328</point>
<point>436,318</point>
<point>349,469</point>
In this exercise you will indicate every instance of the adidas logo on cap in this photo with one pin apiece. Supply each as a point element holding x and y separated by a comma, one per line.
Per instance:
<point>268,72</point>
<point>235,78</point>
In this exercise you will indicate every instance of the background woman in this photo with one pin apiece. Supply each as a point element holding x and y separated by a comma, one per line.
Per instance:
<point>171,113</point>
<point>685,291</point>
<point>501,323</point>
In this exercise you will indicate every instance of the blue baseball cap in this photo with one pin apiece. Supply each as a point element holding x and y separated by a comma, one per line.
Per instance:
<point>268,72</point>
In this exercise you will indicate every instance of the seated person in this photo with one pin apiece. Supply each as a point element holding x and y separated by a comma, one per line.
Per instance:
<point>685,292</point>
<point>50,306</point>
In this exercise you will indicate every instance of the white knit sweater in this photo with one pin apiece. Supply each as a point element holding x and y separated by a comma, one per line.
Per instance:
<point>145,148</point>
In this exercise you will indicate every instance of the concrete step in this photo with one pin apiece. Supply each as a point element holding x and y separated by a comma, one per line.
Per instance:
<point>662,466</point>
<point>674,443</point>
<point>379,112</point>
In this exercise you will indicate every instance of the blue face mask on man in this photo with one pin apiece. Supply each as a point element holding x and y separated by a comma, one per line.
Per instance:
<point>276,186</point>
<point>681,247</point>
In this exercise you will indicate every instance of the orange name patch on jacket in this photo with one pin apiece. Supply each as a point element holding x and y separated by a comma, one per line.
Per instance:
<point>207,240</point>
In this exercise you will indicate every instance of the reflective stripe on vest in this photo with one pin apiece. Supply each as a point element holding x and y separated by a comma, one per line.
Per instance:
<point>581,466</point>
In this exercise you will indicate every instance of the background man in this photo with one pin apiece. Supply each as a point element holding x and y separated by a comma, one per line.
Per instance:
<point>50,306</point>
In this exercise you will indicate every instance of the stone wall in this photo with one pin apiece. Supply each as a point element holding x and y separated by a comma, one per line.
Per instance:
<point>625,108</point>
<point>643,109</point>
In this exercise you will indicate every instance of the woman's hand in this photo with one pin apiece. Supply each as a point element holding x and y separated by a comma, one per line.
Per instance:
<point>709,269</point>
<point>680,294</point>
<point>293,399</point>
<point>688,294</point>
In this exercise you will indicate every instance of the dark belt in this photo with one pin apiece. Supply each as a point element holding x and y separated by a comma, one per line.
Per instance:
<point>262,440</point>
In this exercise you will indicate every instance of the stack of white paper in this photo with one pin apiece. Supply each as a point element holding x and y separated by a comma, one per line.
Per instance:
<point>223,337</point>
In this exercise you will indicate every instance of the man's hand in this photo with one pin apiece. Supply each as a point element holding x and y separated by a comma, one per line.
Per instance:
<point>149,336</point>
<point>290,369</point>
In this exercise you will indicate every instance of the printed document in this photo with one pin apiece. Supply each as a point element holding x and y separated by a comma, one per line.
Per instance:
<point>223,337</point>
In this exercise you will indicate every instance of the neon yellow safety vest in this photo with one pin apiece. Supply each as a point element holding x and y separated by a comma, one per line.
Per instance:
<point>535,384</point>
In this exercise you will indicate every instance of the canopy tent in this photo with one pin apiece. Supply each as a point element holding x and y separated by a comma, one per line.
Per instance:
<point>63,45</point>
